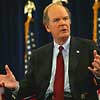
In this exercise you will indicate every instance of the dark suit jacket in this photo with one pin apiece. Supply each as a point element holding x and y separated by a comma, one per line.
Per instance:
<point>81,80</point>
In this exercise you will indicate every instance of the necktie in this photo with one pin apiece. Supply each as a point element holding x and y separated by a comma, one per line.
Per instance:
<point>59,77</point>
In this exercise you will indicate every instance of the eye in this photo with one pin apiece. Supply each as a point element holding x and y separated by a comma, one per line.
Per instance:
<point>66,18</point>
<point>56,20</point>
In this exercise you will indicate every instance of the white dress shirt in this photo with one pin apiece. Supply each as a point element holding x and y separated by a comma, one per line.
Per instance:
<point>66,63</point>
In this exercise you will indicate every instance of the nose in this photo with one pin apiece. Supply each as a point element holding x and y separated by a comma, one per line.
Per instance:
<point>63,21</point>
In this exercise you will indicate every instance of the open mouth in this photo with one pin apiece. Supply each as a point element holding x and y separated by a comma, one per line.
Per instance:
<point>64,30</point>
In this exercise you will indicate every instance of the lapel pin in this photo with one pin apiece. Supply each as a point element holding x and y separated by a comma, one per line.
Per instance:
<point>77,51</point>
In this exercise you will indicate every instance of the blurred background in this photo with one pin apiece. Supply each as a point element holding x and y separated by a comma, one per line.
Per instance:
<point>21,30</point>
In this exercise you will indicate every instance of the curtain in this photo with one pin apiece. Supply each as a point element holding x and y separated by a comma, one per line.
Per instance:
<point>12,37</point>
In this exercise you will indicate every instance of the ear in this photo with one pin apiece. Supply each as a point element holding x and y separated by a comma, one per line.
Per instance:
<point>47,28</point>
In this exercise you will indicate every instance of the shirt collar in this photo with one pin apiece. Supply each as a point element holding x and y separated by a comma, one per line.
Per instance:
<point>65,45</point>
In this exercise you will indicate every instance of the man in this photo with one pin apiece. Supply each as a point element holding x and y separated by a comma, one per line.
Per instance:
<point>81,63</point>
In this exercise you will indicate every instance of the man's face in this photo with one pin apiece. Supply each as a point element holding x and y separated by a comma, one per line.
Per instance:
<point>59,23</point>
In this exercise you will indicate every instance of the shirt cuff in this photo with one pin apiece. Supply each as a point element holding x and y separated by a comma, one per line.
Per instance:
<point>15,91</point>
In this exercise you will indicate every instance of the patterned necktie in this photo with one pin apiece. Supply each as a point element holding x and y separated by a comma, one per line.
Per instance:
<point>59,77</point>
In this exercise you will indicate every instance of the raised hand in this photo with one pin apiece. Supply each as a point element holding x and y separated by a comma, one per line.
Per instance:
<point>96,64</point>
<point>8,80</point>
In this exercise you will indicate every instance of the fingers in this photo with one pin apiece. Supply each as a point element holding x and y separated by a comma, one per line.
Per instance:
<point>2,84</point>
<point>96,56</point>
<point>96,64</point>
<point>94,71</point>
<point>8,71</point>
<point>91,69</point>
<point>2,78</point>
<point>7,80</point>
<point>95,53</point>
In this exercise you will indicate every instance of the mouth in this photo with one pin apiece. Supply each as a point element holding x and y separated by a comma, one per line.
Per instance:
<point>64,30</point>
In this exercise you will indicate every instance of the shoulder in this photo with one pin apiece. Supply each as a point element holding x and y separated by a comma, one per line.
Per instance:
<point>84,43</point>
<point>83,40</point>
<point>43,48</point>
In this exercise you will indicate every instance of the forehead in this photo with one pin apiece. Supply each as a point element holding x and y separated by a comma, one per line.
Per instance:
<point>57,11</point>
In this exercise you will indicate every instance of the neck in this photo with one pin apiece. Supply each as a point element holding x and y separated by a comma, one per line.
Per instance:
<point>61,41</point>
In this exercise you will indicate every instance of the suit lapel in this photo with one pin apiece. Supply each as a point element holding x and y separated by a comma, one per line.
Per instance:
<point>74,54</point>
<point>47,67</point>
<point>48,59</point>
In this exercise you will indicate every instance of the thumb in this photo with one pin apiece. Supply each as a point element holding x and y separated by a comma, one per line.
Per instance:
<point>94,53</point>
<point>8,71</point>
